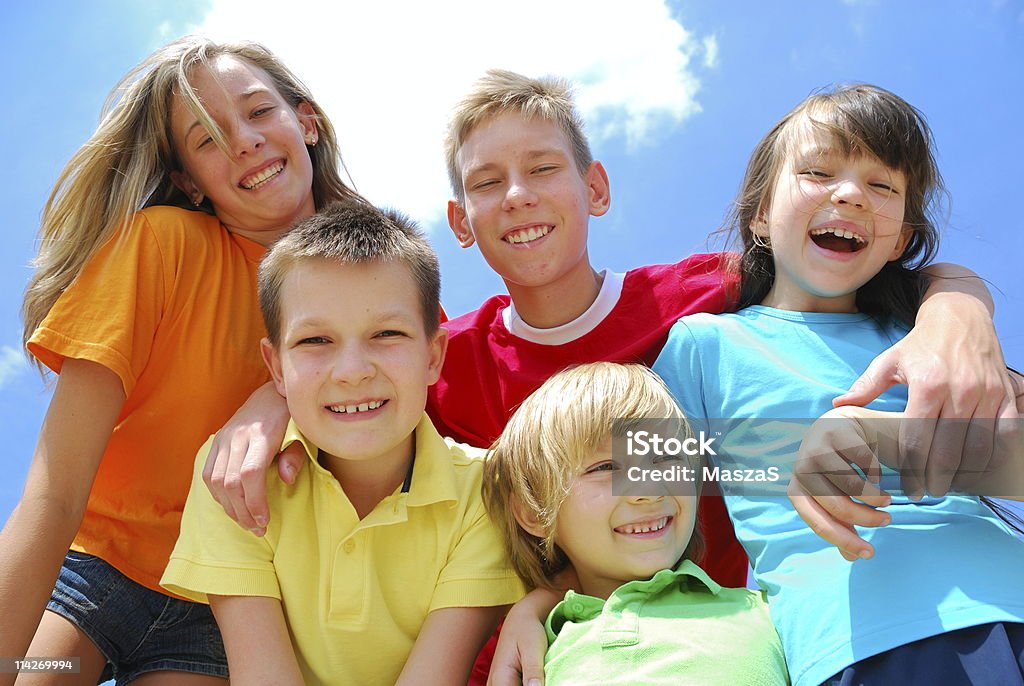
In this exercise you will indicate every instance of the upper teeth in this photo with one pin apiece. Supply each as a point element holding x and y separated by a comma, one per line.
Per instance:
<point>644,527</point>
<point>351,409</point>
<point>841,233</point>
<point>251,182</point>
<point>527,235</point>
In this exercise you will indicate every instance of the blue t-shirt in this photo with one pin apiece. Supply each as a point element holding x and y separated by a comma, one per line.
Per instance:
<point>942,564</point>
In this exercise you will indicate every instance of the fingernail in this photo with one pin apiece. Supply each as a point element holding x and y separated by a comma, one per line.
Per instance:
<point>256,531</point>
<point>864,555</point>
<point>533,682</point>
<point>261,520</point>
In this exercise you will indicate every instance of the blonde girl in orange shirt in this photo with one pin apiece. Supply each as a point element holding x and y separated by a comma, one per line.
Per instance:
<point>143,300</point>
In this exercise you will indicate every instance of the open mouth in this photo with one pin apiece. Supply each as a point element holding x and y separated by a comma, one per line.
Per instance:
<point>837,239</point>
<point>357,409</point>
<point>650,526</point>
<point>529,234</point>
<point>260,178</point>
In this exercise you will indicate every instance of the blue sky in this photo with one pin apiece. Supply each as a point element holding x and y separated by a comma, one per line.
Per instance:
<point>676,95</point>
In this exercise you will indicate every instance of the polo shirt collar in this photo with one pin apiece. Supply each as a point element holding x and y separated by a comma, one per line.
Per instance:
<point>431,478</point>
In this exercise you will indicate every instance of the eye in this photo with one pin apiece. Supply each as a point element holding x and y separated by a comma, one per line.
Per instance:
<point>666,458</point>
<point>390,333</point>
<point>815,173</point>
<point>260,111</point>
<point>313,340</point>
<point>597,467</point>
<point>483,184</point>
<point>545,168</point>
<point>204,142</point>
<point>883,186</point>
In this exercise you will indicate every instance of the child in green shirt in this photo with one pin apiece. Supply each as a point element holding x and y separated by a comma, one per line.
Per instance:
<point>563,489</point>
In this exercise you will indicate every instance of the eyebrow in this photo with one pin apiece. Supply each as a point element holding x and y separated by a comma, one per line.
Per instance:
<point>243,96</point>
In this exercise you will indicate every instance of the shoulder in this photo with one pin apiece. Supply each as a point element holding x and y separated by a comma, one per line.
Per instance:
<point>479,320</point>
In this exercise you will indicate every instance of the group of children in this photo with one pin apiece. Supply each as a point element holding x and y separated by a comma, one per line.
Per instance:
<point>396,543</point>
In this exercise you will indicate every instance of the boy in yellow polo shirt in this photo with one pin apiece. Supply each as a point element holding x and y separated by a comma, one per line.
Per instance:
<point>565,491</point>
<point>380,565</point>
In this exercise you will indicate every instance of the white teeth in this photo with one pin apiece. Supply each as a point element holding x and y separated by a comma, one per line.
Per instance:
<point>646,527</point>
<point>353,409</point>
<point>257,180</point>
<point>530,234</point>
<point>841,233</point>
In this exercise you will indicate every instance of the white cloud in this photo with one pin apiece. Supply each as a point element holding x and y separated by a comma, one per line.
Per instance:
<point>12,364</point>
<point>389,71</point>
<point>710,51</point>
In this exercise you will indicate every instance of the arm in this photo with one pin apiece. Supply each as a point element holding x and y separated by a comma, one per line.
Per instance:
<point>256,640</point>
<point>78,423</point>
<point>953,365</point>
<point>448,642</point>
<point>823,480</point>
<point>522,643</point>
<point>242,451</point>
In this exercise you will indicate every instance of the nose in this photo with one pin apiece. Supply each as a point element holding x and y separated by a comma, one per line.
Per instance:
<point>848,191</point>
<point>518,195</point>
<point>244,138</point>
<point>352,365</point>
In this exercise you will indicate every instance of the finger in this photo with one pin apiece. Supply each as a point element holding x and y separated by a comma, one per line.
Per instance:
<point>924,405</point>
<point>880,375</point>
<point>290,462</point>
<point>851,546</point>
<point>533,664</point>
<point>234,493</point>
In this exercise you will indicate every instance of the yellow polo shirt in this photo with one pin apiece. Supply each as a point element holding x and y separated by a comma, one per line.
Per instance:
<point>355,592</point>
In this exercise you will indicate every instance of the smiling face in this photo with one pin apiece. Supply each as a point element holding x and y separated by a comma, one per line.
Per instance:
<point>526,204</point>
<point>611,539</point>
<point>354,361</point>
<point>264,183</point>
<point>833,222</point>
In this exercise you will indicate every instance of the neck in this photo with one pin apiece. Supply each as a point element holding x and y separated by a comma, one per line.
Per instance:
<point>806,302</point>
<point>558,303</point>
<point>367,482</point>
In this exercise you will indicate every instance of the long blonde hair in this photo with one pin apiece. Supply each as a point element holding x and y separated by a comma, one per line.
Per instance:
<point>127,162</point>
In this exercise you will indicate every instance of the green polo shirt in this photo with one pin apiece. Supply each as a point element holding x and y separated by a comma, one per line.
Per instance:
<point>679,627</point>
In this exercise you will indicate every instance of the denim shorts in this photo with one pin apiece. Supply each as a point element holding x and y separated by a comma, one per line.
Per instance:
<point>137,629</point>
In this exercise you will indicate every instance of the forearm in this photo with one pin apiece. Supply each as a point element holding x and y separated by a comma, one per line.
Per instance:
<point>447,645</point>
<point>256,641</point>
<point>956,286</point>
<point>32,547</point>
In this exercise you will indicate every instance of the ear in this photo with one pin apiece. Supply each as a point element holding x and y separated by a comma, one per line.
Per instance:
<point>527,520</point>
<point>438,348</point>
<point>901,244</point>
<point>273,361</point>
<point>598,189</point>
<point>307,120</point>
<point>759,224</point>
<point>183,182</point>
<point>459,223</point>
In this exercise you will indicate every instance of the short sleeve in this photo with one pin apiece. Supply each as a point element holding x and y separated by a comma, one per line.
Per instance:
<point>110,312</point>
<point>478,573</point>
<point>214,555</point>
<point>679,366</point>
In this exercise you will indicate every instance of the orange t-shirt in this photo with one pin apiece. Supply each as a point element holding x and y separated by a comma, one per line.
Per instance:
<point>169,305</point>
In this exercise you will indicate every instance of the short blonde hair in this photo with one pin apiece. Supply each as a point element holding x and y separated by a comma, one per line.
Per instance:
<point>500,91</point>
<point>534,462</point>
<point>351,232</point>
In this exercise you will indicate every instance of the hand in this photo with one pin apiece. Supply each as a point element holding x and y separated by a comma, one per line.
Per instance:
<point>953,366</point>
<point>519,655</point>
<point>236,468</point>
<point>824,481</point>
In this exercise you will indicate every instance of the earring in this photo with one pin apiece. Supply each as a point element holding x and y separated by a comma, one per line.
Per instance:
<point>197,199</point>
<point>311,140</point>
